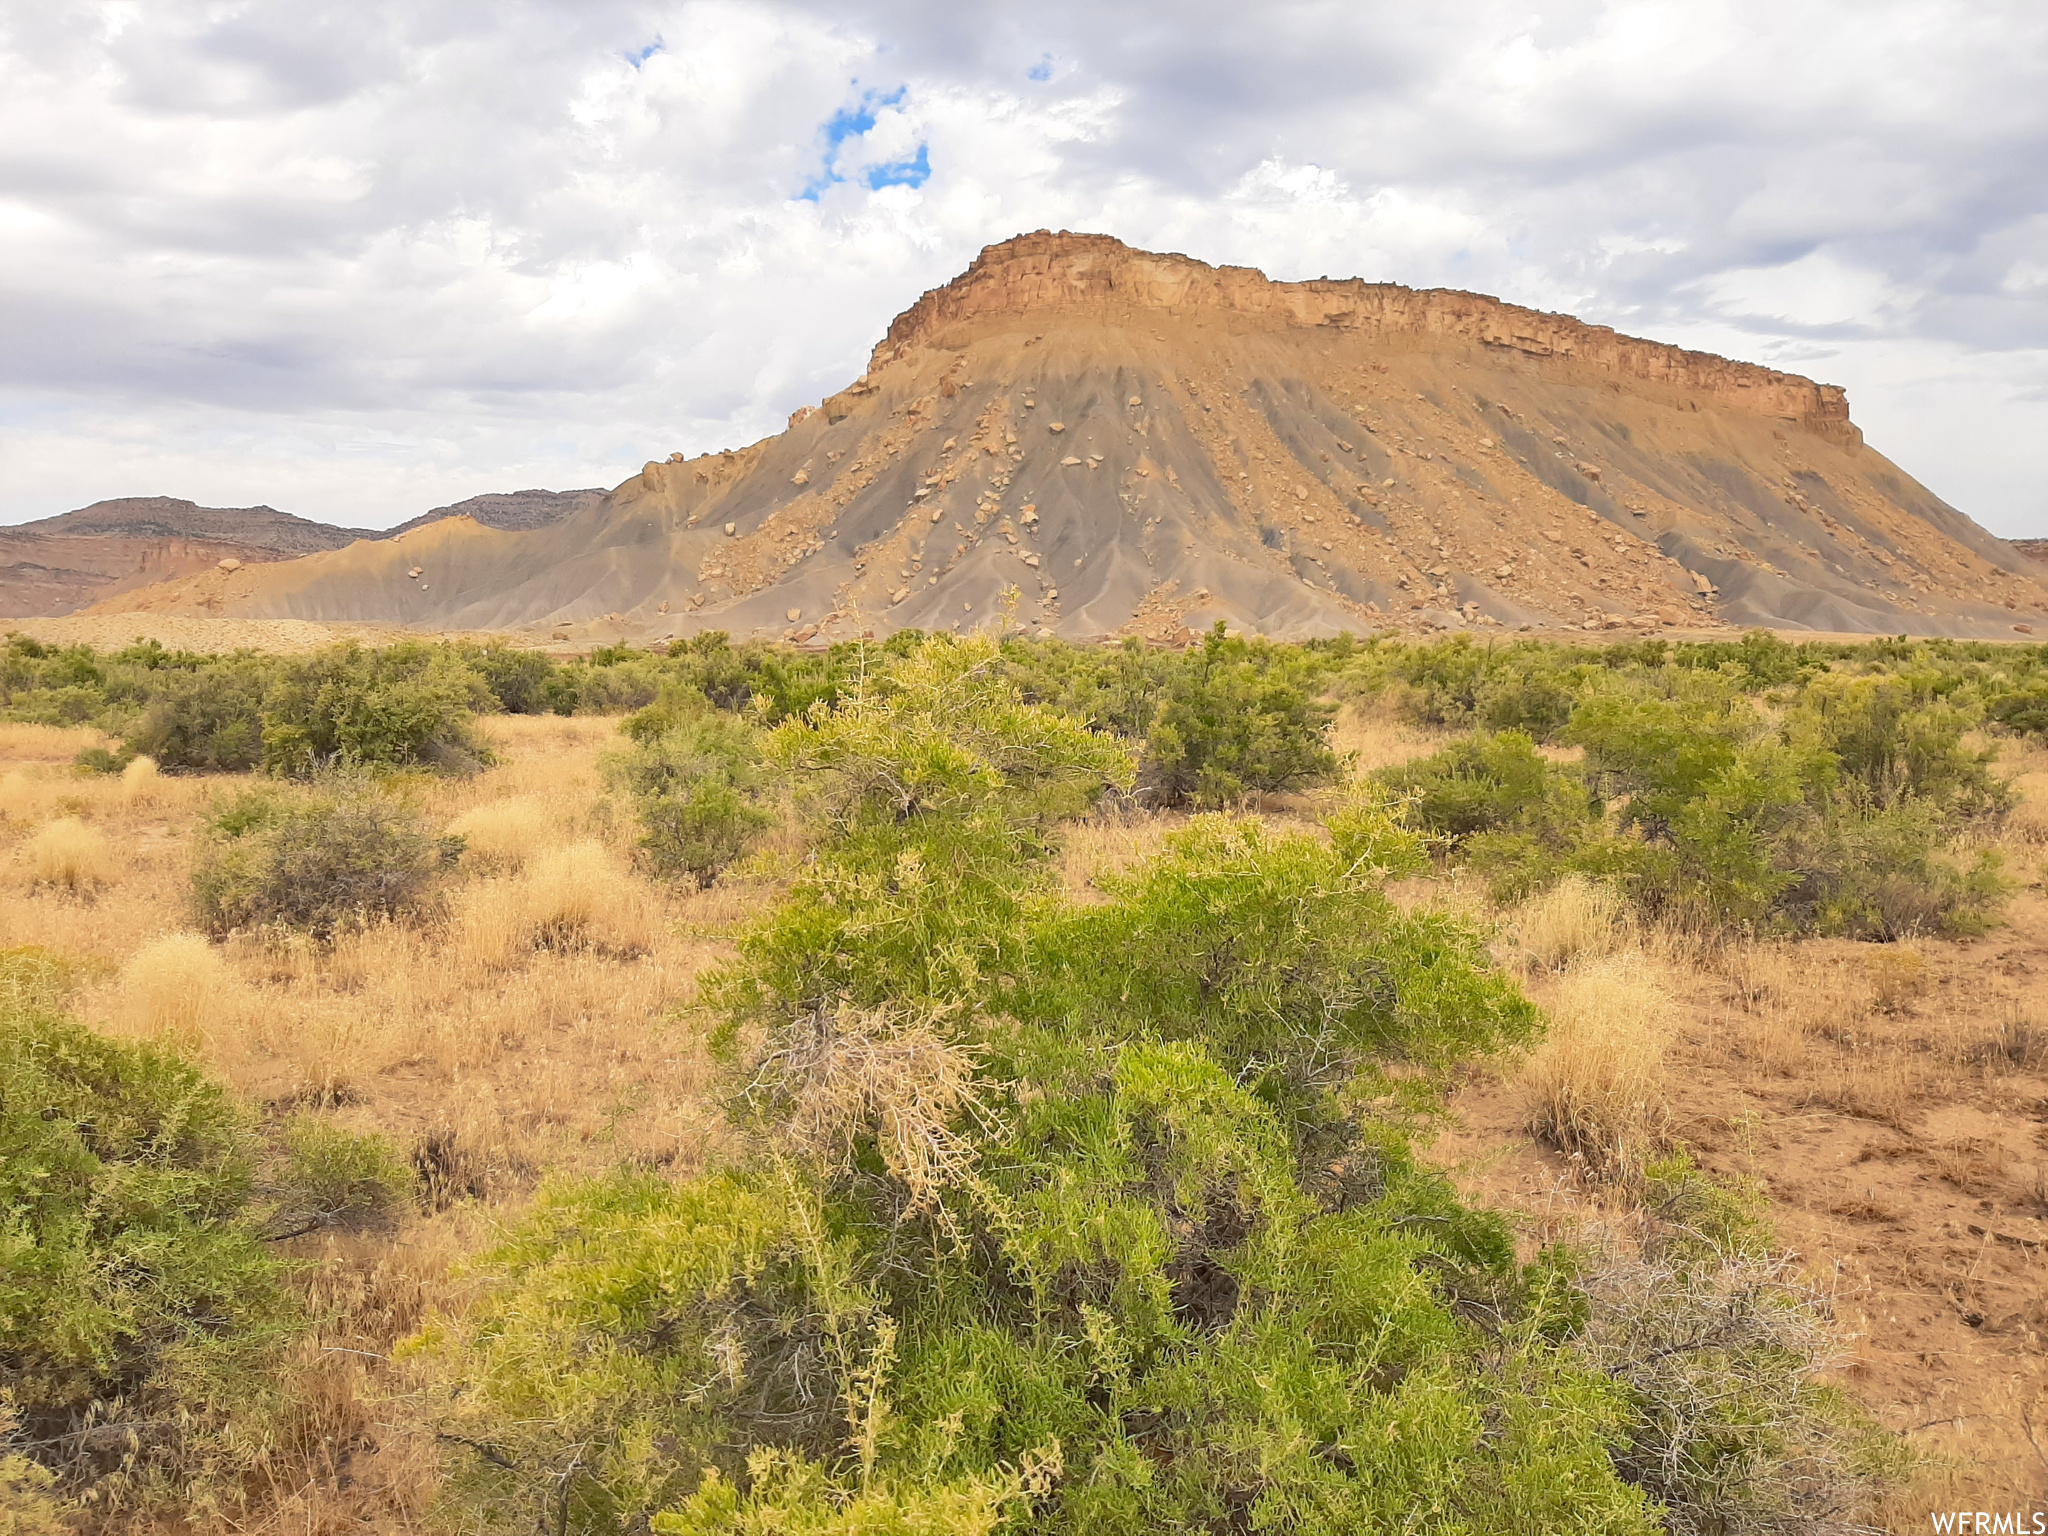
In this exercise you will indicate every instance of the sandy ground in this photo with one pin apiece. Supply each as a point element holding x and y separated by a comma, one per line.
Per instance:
<point>1903,1140</point>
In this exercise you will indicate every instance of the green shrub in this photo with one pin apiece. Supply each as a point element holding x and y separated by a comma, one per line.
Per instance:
<point>135,1287</point>
<point>1491,783</point>
<point>1883,874</point>
<point>208,719</point>
<point>352,708</point>
<point>934,801</point>
<point>1233,720</point>
<point>1897,743</point>
<point>1527,687</point>
<point>2023,711</point>
<point>1494,802</point>
<point>99,760</point>
<point>329,1176</point>
<point>1275,948</point>
<point>1126,1255</point>
<point>693,781</point>
<point>522,682</point>
<point>318,861</point>
<point>27,1505</point>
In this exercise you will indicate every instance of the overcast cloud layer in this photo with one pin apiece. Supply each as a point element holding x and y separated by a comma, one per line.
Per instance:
<point>357,259</point>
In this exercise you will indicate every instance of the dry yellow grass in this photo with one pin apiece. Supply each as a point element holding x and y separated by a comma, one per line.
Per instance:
<point>68,854</point>
<point>562,1047</point>
<point>501,835</point>
<point>140,781</point>
<point>46,744</point>
<point>1574,919</point>
<point>1371,735</point>
<point>2028,821</point>
<point>578,897</point>
<point>1595,1084</point>
<point>175,988</point>
<point>1105,845</point>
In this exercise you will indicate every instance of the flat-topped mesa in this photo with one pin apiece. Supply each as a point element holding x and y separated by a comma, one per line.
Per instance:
<point>1043,274</point>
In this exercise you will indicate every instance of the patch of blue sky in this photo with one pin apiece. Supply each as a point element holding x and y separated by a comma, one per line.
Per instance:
<point>851,123</point>
<point>1042,70</point>
<point>914,172</point>
<point>638,56</point>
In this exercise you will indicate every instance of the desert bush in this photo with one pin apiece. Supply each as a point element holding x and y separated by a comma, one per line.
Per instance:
<point>1127,1255</point>
<point>350,708</point>
<point>1898,741</point>
<point>1595,1083</point>
<point>27,1505</point>
<point>933,801</point>
<point>2021,710</point>
<point>206,718</point>
<point>1721,1348</point>
<point>693,784</point>
<point>1526,687</point>
<point>174,985</point>
<point>318,861</point>
<point>138,1301</point>
<point>624,1324</point>
<point>70,855</point>
<point>329,1176</point>
<point>1885,874</point>
<point>1494,802</point>
<point>1275,948</point>
<point>521,682</point>
<point>1235,719</point>
<point>1492,783</point>
<point>101,760</point>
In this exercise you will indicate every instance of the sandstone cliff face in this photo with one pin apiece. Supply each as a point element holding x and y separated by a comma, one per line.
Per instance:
<point>1087,440</point>
<point>1042,276</point>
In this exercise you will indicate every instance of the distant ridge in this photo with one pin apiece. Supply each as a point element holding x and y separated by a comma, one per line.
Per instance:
<point>1083,439</point>
<point>58,565</point>
<point>513,511</point>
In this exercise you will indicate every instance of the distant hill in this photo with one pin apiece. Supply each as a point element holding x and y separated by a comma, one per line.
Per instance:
<point>61,564</point>
<point>513,511</point>
<point>1083,438</point>
<point>2033,549</point>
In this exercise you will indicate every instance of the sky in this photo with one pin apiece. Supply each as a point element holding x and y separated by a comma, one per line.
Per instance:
<point>357,259</point>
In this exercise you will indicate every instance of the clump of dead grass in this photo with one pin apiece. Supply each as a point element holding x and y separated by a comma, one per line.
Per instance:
<point>1575,919</point>
<point>1367,737</point>
<point>174,986</point>
<point>2027,821</point>
<point>1878,1082</point>
<point>140,781</point>
<point>501,835</point>
<point>1595,1084</point>
<point>578,897</point>
<point>1898,976</point>
<point>70,855</point>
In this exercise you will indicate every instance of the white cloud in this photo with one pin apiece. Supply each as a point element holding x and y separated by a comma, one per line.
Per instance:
<point>356,257</point>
